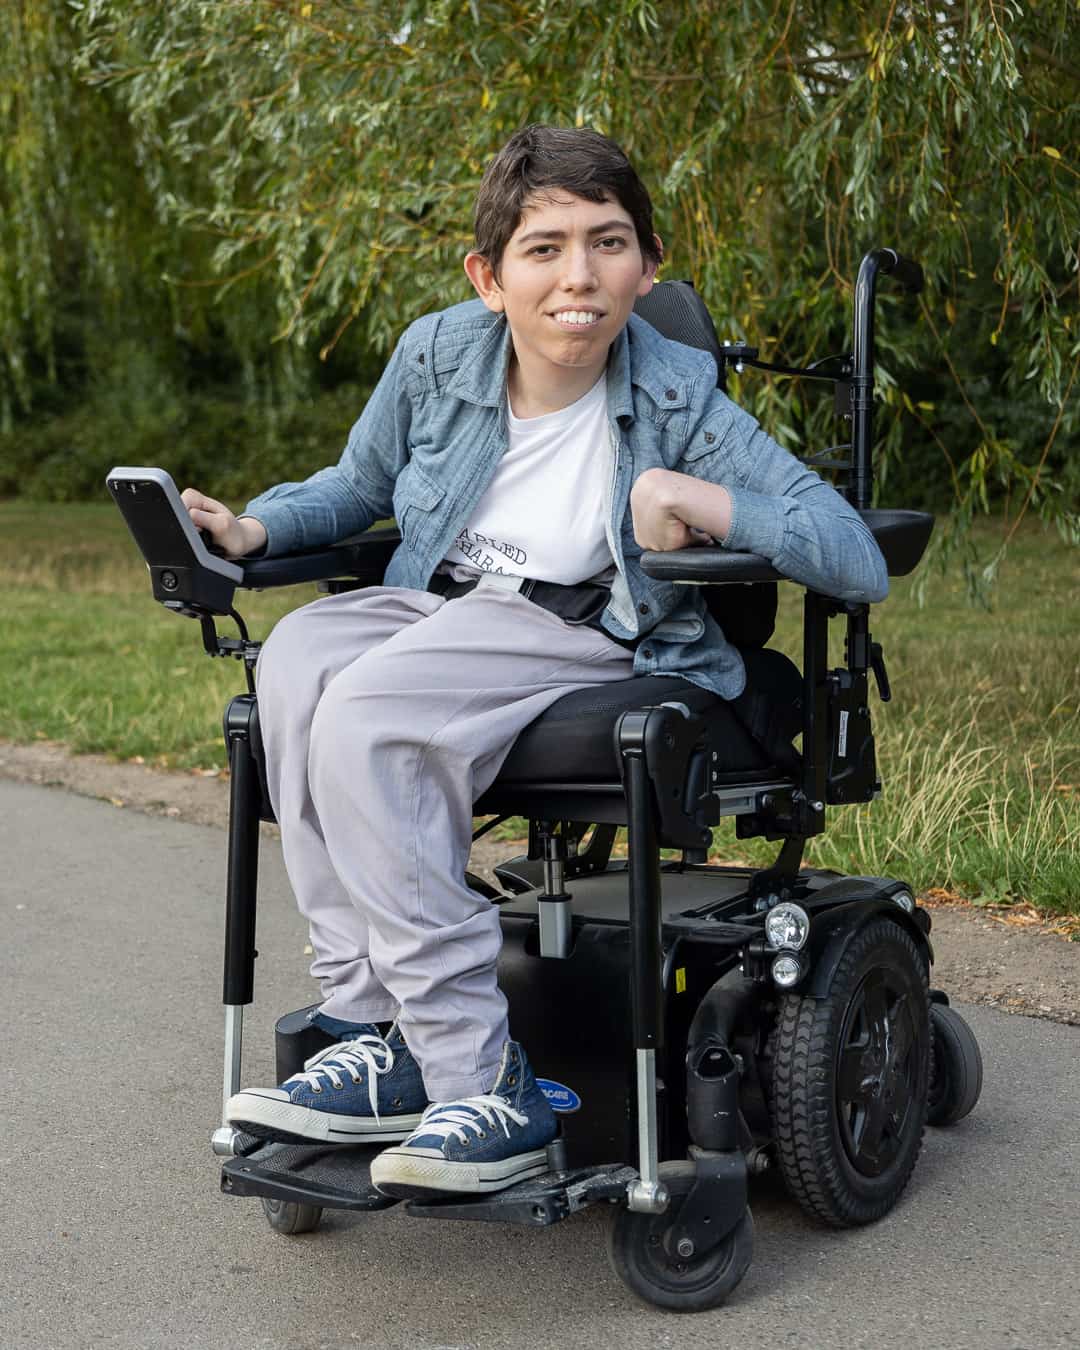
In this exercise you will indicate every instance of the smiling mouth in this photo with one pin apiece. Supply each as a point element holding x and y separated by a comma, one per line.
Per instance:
<point>578,319</point>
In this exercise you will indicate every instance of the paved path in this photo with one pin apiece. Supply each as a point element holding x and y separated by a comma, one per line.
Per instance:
<point>114,1232</point>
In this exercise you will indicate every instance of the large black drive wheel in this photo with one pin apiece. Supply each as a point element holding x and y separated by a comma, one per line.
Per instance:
<point>286,1216</point>
<point>850,1076</point>
<point>642,1255</point>
<point>956,1080</point>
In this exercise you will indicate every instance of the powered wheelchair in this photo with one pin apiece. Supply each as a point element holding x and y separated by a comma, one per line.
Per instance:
<point>696,1024</point>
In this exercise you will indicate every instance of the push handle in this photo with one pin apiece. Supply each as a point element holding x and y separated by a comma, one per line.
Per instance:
<point>906,270</point>
<point>910,275</point>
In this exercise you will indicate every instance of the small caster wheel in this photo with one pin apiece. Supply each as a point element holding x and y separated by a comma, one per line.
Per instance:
<point>956,1076</point>
<point>284,1216</point>
<point>643,1258</point>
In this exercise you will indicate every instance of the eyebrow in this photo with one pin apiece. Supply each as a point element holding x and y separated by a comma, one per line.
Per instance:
<point>608,227</point>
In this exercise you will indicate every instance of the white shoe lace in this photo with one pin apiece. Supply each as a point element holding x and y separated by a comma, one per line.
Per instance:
<point>347,1057</point>
<point>454,1118</point>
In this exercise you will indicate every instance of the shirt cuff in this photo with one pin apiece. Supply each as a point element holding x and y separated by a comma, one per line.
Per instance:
<point>757,523</point>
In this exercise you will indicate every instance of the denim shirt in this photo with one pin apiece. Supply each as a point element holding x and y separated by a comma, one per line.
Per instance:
<point>429,441</point>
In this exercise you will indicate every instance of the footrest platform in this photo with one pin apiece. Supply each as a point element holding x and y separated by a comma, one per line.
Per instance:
<point>339,1177</point>
<point>332,1176</point>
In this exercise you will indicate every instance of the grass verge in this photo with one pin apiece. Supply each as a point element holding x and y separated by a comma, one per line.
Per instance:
<point>979,750</point>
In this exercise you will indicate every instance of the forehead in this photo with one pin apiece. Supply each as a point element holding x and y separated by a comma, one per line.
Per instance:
<point>560,211</point>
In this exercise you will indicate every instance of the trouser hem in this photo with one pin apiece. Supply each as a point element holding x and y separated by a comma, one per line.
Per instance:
<point>452,1089</point>
<point>384,1011</point>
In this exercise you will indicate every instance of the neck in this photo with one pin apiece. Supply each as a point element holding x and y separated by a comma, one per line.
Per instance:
<point>533,393</point>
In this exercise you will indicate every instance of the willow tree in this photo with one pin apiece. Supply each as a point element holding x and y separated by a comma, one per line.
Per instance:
<point>335,148</point>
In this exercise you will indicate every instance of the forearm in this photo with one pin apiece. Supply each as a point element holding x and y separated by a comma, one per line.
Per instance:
<point>319,511</point>
<point>791,515</point>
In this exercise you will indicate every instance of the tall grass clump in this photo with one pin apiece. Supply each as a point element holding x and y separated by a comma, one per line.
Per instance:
<point>966,814</point>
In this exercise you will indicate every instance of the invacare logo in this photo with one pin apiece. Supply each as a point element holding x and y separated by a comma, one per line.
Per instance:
<point>560,1097</point>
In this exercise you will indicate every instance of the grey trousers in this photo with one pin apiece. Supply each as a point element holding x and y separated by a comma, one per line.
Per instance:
<point>385,713</point>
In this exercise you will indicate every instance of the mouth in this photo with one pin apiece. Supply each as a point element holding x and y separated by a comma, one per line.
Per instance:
<point>577,320</point>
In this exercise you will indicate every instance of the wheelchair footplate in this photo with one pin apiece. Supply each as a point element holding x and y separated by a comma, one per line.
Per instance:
<point>339,1177</point>
<point>328,1175</point>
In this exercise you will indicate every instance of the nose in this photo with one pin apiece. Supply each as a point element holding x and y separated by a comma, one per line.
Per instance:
<point>578,273</point>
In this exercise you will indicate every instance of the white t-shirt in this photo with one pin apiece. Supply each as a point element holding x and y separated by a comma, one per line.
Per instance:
<point>542,515</point>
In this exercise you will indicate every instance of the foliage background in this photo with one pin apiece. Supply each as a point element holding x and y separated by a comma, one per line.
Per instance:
<point>217,215</point>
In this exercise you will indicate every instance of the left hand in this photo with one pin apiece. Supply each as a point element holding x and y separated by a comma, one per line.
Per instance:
<point>658,507</point>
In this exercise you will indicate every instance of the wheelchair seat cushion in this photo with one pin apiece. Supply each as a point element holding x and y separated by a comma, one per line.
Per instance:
<point>574,741</point>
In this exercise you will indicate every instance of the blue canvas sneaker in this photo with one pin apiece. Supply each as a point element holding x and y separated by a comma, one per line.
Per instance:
<point>475,1145</point>
<point>365,1089</point>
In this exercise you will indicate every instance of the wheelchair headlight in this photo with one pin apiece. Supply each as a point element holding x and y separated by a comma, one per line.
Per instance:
<point>787,926</point>
<point>787,970</point>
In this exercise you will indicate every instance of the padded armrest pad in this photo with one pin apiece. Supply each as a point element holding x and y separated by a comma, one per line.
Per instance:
<point>902,537</point>
<point>366,556</point>
<point>712,564</point>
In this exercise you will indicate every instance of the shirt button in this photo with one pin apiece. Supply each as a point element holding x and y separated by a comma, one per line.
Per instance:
<point>643,608</point>
<point>671,393</point>
<point>709,438</point>
<point>647,654</point>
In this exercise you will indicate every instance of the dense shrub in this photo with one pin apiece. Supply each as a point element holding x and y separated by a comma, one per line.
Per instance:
<point>226,447</point>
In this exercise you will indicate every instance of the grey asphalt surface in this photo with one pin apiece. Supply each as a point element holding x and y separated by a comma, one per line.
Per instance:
<point>115,1233</point>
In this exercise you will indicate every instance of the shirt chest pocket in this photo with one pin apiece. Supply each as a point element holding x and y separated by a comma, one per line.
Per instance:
<point>709,453</point>
<point>416,497</point>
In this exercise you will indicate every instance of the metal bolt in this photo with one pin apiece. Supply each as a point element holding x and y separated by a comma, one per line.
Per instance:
<point>685,1247</point>
<point>169,581</point>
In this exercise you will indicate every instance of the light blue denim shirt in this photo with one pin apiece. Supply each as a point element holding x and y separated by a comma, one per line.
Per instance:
<point>430,438</point>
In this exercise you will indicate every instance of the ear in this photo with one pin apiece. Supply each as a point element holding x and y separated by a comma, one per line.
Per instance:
<point>649,275</point>
<point>482,275</point>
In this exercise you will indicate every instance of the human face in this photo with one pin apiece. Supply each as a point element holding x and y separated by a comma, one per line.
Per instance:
<point>568,279</point>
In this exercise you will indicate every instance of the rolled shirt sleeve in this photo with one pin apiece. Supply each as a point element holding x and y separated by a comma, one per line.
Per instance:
<point>786,512</point>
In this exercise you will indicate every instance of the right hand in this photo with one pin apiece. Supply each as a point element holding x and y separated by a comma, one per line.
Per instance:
<point>235,537</point>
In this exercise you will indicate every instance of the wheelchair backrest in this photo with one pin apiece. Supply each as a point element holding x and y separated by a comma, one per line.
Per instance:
<point>747,614</point>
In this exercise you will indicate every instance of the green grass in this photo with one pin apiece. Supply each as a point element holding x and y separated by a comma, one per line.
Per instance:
<point>979,750</point>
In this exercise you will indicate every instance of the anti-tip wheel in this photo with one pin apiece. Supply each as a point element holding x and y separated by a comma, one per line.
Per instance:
<point>957,1072</point>
<point>286,1216</point>
<point>641,1253</point>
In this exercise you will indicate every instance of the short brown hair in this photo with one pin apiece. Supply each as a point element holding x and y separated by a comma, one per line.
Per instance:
<point>542,159</point>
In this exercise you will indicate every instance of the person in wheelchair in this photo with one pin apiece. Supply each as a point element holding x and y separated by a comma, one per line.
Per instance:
<point>531,444</point>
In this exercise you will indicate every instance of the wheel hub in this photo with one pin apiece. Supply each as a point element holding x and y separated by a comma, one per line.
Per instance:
<point>876,1065</point>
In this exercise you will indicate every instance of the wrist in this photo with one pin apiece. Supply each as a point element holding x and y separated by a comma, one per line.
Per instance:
<point>253,535</point>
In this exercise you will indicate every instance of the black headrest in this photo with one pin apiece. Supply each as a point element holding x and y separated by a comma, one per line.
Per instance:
<point>676,310</point>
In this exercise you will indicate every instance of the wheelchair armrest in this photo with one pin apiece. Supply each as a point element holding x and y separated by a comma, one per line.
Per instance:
<point>365,557</point>
<point>714,565</point>
<point>902,537</point>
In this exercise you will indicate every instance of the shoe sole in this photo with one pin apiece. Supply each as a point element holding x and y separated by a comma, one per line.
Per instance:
<point>402,1173</point>
<point>285,1122</point>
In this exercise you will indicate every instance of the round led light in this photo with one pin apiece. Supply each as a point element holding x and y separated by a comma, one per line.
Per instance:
<point>786,971</point>
<point>905,900</point>
<point>788,926</point>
